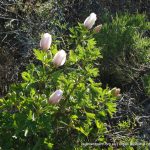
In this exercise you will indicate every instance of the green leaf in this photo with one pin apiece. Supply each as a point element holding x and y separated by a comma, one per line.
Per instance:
<point>102,113</point>
<point>32,92</point>
<point>100,125</point>
<point>26,76</point>
<point>91,43</point>
<point>82,130</point>
<point>49,145</point>
<point>54,49</point>
<point>1,100</point>
<point>111,108</point>
<point>90,115</point>
<point>73,56</point>
<point>26,132</point>
<point>40,55</point>
<point>74,117</point>
<point>31,116</point>
<point>92,71</point>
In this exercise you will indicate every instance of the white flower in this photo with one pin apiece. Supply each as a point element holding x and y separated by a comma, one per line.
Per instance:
<point>55,97</point>
<point>46,41</point>
<point>90,21</point>
<point>59,58</point>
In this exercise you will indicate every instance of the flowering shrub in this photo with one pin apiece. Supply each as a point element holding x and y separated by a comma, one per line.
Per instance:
<point>58,104</point>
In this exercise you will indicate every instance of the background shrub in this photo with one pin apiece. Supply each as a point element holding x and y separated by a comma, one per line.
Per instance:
<point>147,83</point>
<point>125,47</point>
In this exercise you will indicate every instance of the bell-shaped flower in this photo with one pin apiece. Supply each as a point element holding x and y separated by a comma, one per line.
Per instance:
<point>46,41</point>
<point>116,92</point>
<point>55,97</point>
<point>59,58</point>
<point>97,28</point>
<point>90,21</point>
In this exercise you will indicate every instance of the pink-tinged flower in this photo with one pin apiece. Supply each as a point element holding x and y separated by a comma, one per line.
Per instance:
<point>46,41</point>
<point>59,58</point>
<point>116,92</point>
<point>97,28</point>
<point>55,97</point>
<point>90,21</point>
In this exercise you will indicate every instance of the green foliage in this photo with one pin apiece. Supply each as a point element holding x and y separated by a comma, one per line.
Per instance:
<point>147,83</point>
<point>28,121</point>
<point>85,112</point>
<point>124,46</point>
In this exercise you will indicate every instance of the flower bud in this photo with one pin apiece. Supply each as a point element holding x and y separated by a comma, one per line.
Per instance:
<point>90,21</point>
<point>55,97</point>
<point>46,41</point>
<point>97,28</point>
<point>116,92</point>
<point>59,58</point>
